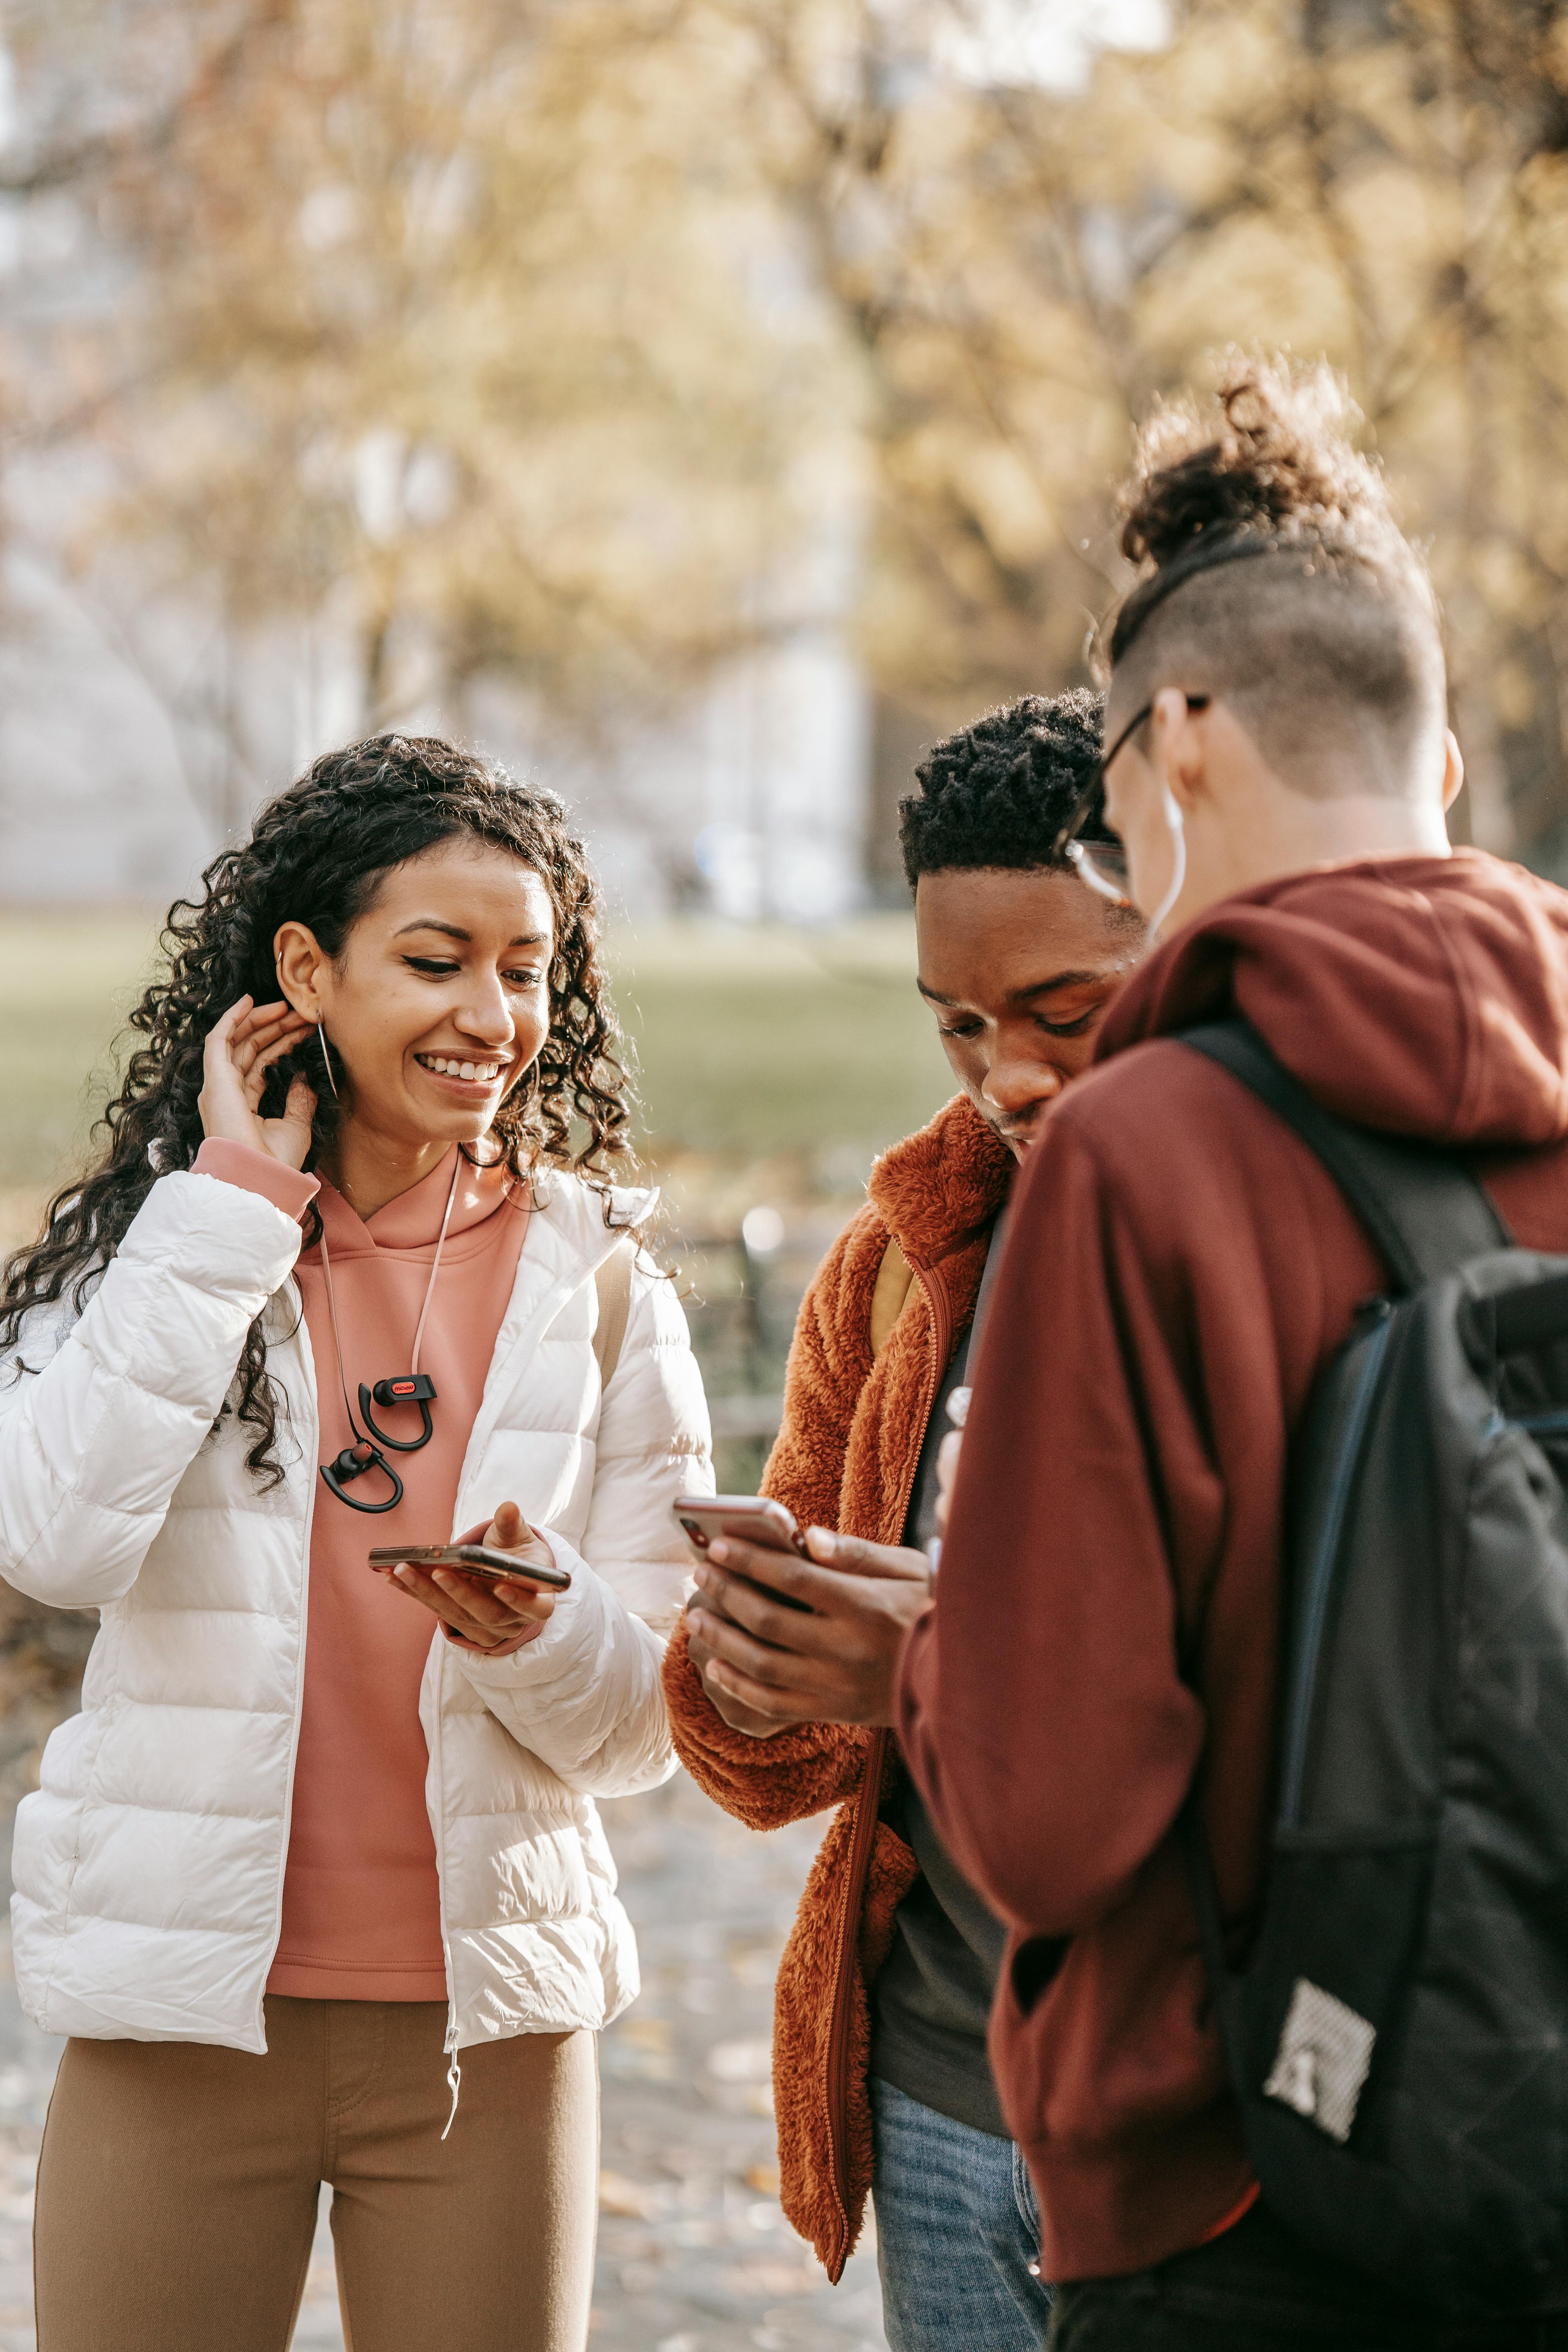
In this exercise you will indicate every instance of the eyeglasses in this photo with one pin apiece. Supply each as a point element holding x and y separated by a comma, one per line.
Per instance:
<point>1103,864</point>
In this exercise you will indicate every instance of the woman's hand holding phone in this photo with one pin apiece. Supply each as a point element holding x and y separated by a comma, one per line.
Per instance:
<point>495,1617</point>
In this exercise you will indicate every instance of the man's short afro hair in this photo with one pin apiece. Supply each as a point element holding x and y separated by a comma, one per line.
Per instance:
<point>999,792</point>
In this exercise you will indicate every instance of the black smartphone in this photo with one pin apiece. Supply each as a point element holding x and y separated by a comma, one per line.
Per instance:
<point>474,1559</point>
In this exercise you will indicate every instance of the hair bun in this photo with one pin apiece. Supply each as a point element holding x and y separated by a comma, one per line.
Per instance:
<point>1269,452</point>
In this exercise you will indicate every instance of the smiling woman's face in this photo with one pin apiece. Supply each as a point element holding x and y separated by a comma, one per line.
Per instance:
<point>440,999</point>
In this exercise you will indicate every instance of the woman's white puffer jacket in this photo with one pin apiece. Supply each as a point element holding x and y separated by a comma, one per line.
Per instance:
<point>148,1864</point>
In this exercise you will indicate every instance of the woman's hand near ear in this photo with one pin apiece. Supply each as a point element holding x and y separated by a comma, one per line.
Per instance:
<point>239,1052</point>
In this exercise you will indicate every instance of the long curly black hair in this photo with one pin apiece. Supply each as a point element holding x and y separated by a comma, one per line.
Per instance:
<point>318,854</point>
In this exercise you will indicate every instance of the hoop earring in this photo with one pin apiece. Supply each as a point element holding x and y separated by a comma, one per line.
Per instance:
<point>326,1058</point>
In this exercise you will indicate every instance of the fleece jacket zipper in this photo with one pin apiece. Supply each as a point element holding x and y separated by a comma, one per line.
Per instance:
<point>868,1805</point>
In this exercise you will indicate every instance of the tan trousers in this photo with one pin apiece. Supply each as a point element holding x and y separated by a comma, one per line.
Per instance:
<point>178,2186</point>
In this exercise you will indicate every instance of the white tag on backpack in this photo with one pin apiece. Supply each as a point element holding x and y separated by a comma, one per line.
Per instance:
<point>1321,2063</point>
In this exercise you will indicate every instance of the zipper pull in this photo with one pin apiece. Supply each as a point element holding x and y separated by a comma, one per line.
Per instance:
<point>454,2073</point>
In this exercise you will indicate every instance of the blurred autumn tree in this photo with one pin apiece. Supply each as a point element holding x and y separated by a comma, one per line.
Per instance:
<point>445,348</point>
<point>453,320</point>
<point>1389,183</point>
<point>543,337</point>
<point>1021,272</point>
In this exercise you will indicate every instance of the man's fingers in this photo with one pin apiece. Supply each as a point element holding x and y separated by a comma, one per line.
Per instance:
<point>696,1650</point>
<point>777,1707</point>
<point>778,1571</point>
<point>734,1646</point>
<point>853,1556</point>
<point>774,1621</point>
<point>729,1645</point>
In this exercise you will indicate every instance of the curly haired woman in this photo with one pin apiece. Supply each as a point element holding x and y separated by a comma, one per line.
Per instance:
<point>322,1841</point>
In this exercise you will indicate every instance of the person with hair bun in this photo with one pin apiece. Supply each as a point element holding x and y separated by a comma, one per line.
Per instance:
<point>1105,1638</point>
<point>882,2080</point>
<point>314,1883</point>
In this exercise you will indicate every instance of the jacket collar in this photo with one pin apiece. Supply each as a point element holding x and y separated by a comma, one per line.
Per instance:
<point>574,1212</point>
<point>940,1187</point>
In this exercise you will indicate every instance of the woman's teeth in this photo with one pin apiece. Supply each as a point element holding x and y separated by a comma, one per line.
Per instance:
<point>485,1072</point>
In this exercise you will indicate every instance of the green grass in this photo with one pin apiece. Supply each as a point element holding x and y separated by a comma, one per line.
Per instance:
<point>751,1043</point>
<point>767,1041</point>
<point>66,982</point>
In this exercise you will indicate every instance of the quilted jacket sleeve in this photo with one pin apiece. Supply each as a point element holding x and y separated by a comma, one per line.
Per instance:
<point>102,1415</point>
<point>765,1782</point>
<point>584,1696</point>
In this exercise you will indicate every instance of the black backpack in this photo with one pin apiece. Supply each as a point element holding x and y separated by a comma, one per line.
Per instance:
<point>1398,2035</point>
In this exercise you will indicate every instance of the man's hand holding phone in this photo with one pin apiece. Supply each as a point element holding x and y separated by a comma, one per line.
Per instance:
<point>779,1639</point>
<point>488,1614</point>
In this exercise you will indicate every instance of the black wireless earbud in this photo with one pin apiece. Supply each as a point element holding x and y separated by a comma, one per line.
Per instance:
<point>352,1463</point>
<point>404,1387</point>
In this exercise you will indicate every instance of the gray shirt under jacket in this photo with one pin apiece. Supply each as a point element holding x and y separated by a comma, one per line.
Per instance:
<point>931,2002</point>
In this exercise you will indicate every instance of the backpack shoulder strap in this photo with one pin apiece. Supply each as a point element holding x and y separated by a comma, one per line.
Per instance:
<point>895,1280</point>
<point>1422,1209</point>
<point>613,1283</point>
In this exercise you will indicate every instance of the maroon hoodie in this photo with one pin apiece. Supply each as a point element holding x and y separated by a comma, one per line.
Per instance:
<point>1178,1270</point>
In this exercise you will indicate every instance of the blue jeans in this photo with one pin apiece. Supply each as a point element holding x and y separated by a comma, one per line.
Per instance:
<point>957,2231</point>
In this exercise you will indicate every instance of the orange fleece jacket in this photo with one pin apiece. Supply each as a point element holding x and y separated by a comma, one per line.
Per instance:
<point>845,1458</point>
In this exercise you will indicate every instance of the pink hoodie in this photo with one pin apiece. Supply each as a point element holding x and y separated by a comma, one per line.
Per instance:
<point>360,1907</point>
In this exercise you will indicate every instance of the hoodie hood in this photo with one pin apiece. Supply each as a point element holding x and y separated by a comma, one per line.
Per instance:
<point>1422,996</point>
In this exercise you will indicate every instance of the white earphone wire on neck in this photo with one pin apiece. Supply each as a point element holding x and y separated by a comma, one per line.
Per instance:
<point>1178,833</point>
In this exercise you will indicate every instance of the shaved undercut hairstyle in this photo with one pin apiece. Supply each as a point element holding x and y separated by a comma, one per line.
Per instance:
<point>999,792</point>
<point>1273,577</point>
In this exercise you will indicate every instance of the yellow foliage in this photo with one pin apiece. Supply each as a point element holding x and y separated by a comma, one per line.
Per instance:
<point>572,333</point>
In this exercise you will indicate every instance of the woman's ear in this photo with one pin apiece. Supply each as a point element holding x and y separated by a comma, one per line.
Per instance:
<point>301,962</point>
